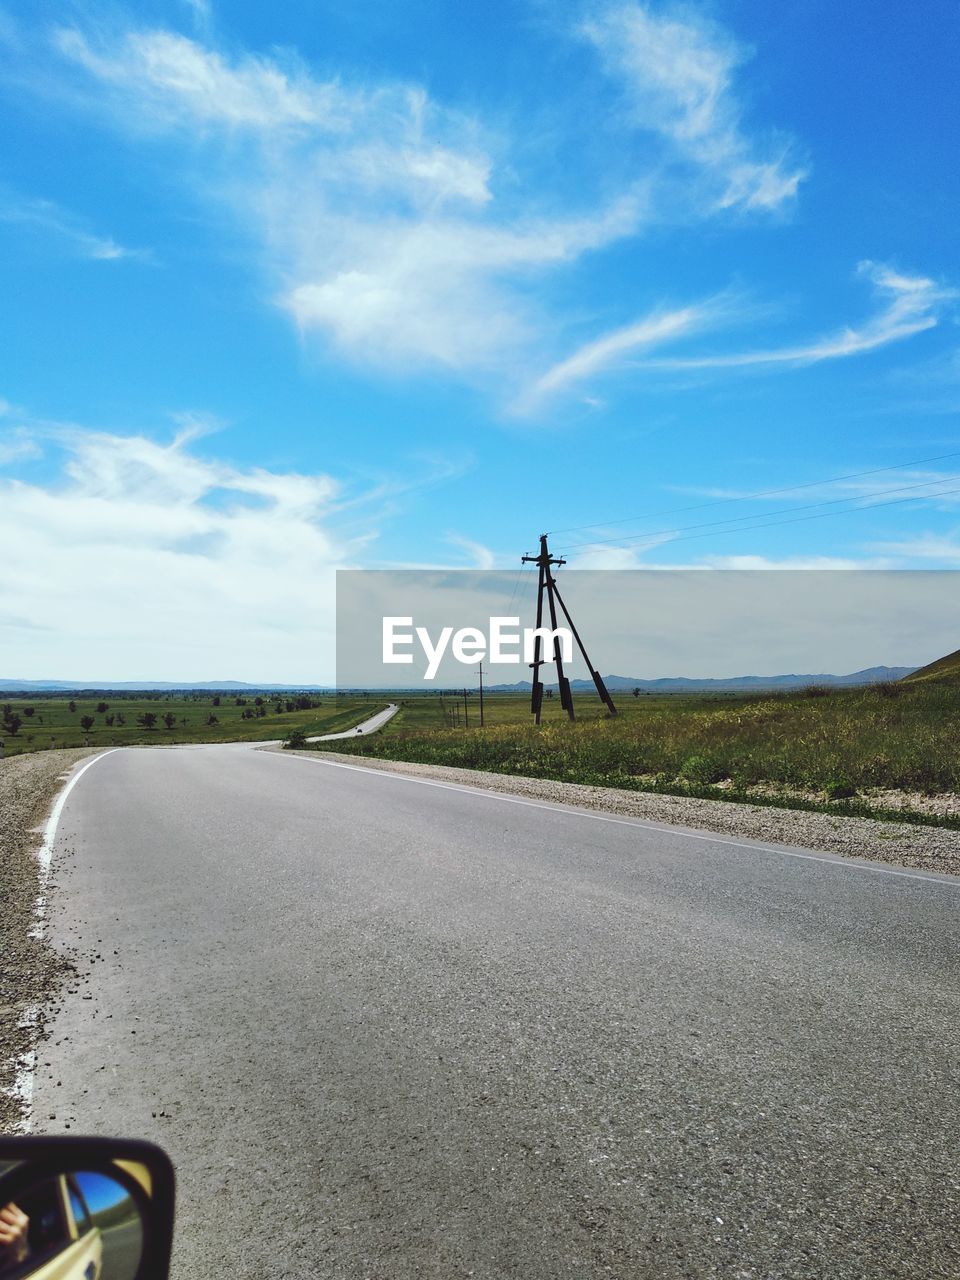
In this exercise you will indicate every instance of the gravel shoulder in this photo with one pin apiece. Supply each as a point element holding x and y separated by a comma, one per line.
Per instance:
<point>30,971</point>
<point>901,844</point>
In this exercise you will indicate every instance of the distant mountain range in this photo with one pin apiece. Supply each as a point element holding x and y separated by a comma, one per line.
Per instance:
<point>685,684</point>
<point>154,686</point>
<point>618,684</point>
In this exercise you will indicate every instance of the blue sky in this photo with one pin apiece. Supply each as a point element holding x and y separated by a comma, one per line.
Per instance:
<point>296,287</point>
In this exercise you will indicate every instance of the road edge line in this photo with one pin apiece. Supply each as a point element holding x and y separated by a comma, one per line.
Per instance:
<point>23,1082</point>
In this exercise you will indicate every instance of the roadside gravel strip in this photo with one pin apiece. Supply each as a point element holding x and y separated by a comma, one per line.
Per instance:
<point>30,972</point>
<point>899,844</point>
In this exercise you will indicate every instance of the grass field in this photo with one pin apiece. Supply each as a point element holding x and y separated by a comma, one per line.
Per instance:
<point>822,745</point>
<point>46,722</point>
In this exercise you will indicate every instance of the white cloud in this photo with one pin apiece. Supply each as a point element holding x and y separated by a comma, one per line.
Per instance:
<point>912,305</point>
<point>378,209</point>
<point>481,556</point>
<point>606,555</point>
<point>636,557</point>
<point>177,79</point>
<point>798,563</point>
<point>374,204</point>
<point>941,550</point>
<point>382,227</point>
<point>677,73</point>
<point>47,216</point>
<point>144,560</point>
<point>200,11</point>
<point>609,351</point>
<point>16,445</point>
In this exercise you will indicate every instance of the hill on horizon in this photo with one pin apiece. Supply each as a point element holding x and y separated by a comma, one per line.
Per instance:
<point>615,683</point>
<point>693,684</point>
<point>945,668</point>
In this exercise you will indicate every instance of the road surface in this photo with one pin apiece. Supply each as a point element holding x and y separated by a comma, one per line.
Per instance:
<point>372,725</point>
<point>390,1028</point>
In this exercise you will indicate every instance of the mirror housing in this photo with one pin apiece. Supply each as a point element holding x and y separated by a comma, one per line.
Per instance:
<point>140,1172</point>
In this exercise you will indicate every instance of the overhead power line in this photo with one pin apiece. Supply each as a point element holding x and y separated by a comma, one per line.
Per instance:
<point>820,515</point>
<point>751,497</point>
<point>740,521</point>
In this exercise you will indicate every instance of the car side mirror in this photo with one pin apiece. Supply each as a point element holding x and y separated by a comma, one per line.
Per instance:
<point>85,1209</point>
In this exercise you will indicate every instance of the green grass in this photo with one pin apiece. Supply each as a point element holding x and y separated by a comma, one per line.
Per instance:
<point>836,743</point>
<point>947,667</point>
<point>54,724</point>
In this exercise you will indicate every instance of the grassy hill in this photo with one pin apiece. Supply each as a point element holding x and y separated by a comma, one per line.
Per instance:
<point>946,668</point>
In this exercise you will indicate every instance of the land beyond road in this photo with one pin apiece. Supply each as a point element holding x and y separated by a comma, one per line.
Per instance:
<point>390,1028</point>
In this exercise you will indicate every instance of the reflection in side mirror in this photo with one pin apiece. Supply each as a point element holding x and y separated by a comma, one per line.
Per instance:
<point>80,1226</point>
<point>84,1209</point>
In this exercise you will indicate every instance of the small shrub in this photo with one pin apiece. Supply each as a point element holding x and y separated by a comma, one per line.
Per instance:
<point>839,789</point>
<point>295,740</point>
<point>888,689</point>
<point>702,769</point>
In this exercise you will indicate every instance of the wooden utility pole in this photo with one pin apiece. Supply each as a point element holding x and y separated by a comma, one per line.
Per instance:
<point>547,585</point>
<point>480,673</point>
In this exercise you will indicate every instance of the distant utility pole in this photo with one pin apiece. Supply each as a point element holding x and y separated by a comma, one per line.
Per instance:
<point>466,714</point>
<point>480,673</point>
<point>547,585</point>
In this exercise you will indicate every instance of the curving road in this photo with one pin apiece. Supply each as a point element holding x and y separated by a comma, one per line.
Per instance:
<point>391,1028</point>
<point>371,725</point>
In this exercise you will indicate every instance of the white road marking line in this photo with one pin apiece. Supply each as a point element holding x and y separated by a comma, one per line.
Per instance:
<point>757,847</point>
<point>23,1085</point>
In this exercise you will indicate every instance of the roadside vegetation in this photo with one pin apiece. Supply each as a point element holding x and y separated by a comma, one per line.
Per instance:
<point>887,750</point>
<point>103,719</point>
<point>821,747</point>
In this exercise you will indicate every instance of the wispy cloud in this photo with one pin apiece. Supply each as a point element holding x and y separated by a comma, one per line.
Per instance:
<point>677,71</point>
<point>374,204</point>
<point>601,555</point>
<point>17,445</point>
<point>481,556</point>
<point>930,548</point>
<point>378,209</point>
<point>46,216</point>
<point>610,351</point>
<point>201,11</point>
<point>178,80</point>
<point>912,305</point>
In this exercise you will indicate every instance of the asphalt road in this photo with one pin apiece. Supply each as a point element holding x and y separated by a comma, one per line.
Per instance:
<point>122,1247</point>
<point>393,1029</point>
<point>372,725</point>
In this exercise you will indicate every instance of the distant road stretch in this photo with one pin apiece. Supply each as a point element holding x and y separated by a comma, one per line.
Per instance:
<point>392,1028</point>
<point>365,726</point>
